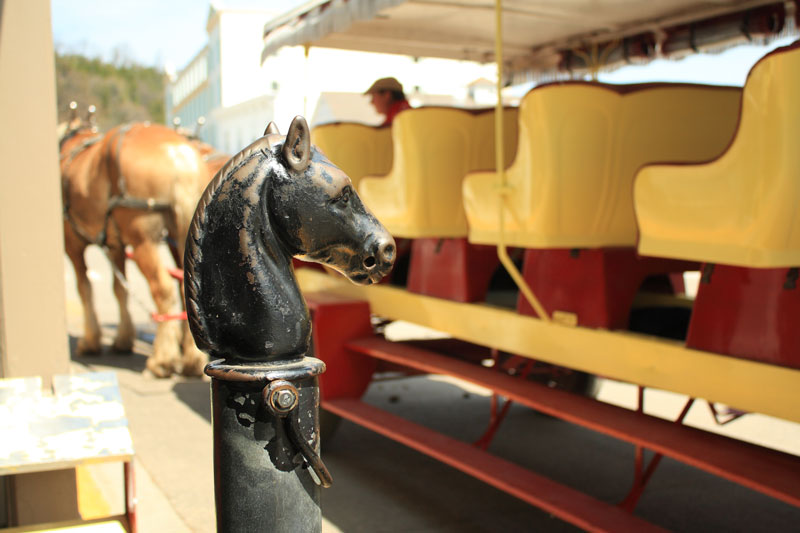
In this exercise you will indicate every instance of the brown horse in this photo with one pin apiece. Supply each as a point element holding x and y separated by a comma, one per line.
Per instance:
<point>214,158</point>
<point>133,186</point>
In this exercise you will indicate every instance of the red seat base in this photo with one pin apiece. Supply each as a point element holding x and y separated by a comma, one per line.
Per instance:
<point>299,263</point>
<point>452,269</point>
<point>597,285</point>
<point>749,313</point>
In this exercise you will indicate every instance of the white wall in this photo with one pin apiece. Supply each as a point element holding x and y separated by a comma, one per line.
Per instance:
<point>329,70</point>
<point>294,83</point>
<point>237,126</point>
<point>241,41</point>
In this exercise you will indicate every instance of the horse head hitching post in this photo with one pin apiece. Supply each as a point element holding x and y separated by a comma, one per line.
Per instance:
<point>280,197</point>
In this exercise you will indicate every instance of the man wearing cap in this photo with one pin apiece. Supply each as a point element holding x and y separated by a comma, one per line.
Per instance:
<point>388,98</point>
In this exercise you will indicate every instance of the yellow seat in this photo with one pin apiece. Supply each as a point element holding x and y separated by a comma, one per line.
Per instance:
<point>741,208</point>
<point>580,145</point>
<point>484,132</point>
<point>434,148</point>
<point>356,148</point>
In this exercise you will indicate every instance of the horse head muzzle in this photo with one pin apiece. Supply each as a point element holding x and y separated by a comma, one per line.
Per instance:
<point>381,252</point>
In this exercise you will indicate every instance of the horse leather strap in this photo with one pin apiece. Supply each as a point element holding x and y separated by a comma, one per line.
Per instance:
<point>117,200</point>
<point>81,147</point>
<point>121,186</point>
<point>122,199</point>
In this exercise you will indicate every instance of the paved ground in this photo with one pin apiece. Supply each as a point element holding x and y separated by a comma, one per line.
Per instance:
<point>380,486</point>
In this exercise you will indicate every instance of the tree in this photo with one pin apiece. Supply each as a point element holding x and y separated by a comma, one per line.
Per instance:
<point>122,90</point>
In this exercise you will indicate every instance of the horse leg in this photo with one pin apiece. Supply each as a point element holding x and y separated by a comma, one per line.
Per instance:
<point>125,332</point>
<point>193,360</point>
<point>75,247</point>
<point>165,356</point>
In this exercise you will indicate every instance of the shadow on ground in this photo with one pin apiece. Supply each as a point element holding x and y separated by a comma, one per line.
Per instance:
<point>134,360</point>
<point>195,394</point>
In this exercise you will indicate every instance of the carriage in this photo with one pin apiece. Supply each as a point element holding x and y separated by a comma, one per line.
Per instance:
<point>549,242</point>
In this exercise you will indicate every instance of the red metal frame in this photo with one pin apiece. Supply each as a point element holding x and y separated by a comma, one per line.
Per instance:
<point>749,313</point>
<point>597,285</point>
<point>761,469</point>
<point>343,338</point>
<point>335,322</point>
<point>130,496</point>
<point>498,414</point>
<point>452,269</point>
<point>567,504</point>
<point>641,475</point>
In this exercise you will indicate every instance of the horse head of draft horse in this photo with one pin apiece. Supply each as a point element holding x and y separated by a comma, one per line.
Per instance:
<point>74,131</point>
<point>279,197</point>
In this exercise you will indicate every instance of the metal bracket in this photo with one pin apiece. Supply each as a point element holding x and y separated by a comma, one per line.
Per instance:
<point>281,398</point>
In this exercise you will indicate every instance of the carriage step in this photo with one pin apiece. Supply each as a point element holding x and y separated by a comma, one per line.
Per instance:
<point>567,504</point>
<point>762,469</point>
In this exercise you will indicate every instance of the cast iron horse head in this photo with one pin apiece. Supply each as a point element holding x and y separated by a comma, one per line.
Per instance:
<point>279,197</point>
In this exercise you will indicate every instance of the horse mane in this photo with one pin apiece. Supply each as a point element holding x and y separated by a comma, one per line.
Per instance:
<point>193,254</point>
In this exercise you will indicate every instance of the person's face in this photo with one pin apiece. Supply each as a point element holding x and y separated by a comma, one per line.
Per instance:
<point>381,101</point>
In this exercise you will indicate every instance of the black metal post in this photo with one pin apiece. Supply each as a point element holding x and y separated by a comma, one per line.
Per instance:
<point>266,446</point>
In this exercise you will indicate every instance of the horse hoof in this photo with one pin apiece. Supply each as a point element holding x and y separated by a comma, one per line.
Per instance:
<point>159,370</point>
<point>89,348</point>
<point>123,347</point>
<point>193,367</point>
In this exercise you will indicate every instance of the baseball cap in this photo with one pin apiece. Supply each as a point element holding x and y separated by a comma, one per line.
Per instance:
<point>385,84</point>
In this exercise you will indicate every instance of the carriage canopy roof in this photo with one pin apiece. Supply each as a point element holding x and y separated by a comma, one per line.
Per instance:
<point>539,35</point>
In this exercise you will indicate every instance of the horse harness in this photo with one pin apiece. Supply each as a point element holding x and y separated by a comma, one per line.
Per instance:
<point>120,199</point>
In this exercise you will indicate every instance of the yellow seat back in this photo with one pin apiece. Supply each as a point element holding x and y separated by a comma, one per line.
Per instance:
<point>484,129</point>
<point>580,145</point>
<point>740,208</point>
<point>434,148</point>
<point>356,148</point>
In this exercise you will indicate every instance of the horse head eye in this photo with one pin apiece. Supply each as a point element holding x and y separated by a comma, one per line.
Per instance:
<point>344,197</point>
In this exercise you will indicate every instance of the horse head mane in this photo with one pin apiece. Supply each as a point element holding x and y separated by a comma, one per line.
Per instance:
<point>193,254</point>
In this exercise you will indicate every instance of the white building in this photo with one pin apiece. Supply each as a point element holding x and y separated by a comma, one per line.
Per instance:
<point>238,96</point>
<point>224,75</point>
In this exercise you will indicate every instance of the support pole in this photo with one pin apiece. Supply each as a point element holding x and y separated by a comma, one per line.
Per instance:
<point>503,188</point>
<point>246,311</point>
<point>267,472</point>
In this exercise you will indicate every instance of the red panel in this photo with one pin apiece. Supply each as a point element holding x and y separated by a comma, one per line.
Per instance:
<point>566,503</point>
<point>403,247</point>
<point>299,263</point>
<point>335,321</point>
<point>749,313</point>
<point>451,268</point>
<point>597,285</point>
<point>768,471</point>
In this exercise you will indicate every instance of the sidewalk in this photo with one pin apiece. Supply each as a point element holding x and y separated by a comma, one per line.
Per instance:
<point>381,486</point>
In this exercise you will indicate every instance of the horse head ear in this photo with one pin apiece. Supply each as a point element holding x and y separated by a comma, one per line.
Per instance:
<point>272,129</point>
<point>297,146</point>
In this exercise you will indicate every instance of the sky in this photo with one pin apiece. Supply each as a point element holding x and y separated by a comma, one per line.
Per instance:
<point>155,33</point>
<point>168,33</point>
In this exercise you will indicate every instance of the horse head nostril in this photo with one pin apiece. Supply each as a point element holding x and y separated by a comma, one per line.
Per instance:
<point>369,263</point>
<point>386,251</point>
